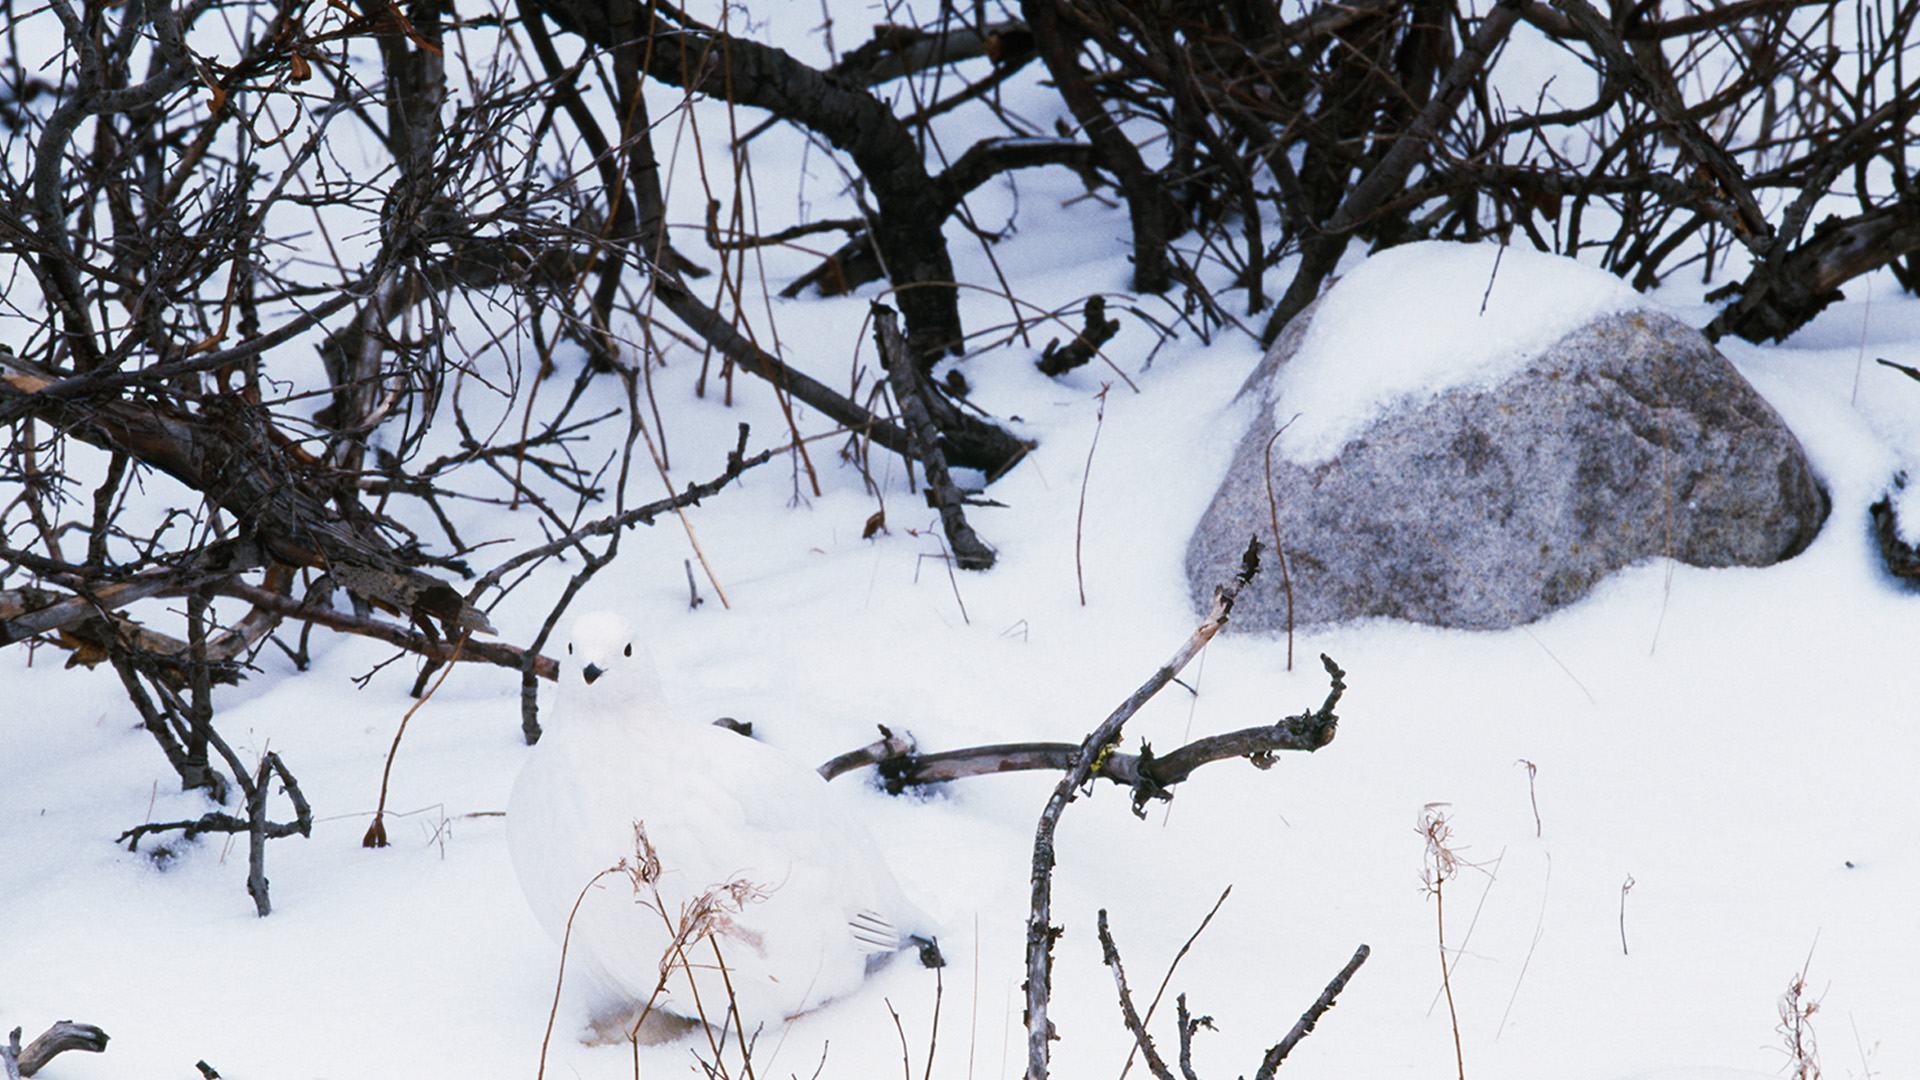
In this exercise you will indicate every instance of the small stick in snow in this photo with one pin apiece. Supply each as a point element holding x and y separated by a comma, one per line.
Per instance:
<point>1080,513</point>
<point>1056,361</point>
<point>1442,865</point>
<point>58,1039</point>
<point>1188,1025</point>
<point>928,443</point>
<point>376,836</point>
<point>1312,1016</point>
<point>1532,797</point>
<point>1625,888</point>
<point>254,789</point>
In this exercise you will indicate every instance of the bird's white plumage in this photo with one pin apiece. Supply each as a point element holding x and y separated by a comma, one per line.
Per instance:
<point>801,898</point>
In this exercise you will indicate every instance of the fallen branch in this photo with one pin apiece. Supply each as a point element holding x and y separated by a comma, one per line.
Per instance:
<point>212,562</point>
<point>222,822</point>
<point>1147,775</point>
<point>1783,294</point>
<point>255,789</point>
<point>58,1039</point>
<point>910,392</point>
<point>890,747</point>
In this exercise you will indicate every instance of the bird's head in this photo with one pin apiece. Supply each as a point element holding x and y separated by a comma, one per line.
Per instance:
<point>607,672</point>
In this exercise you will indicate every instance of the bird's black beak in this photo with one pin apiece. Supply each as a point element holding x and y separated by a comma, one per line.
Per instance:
<point>592,672</point>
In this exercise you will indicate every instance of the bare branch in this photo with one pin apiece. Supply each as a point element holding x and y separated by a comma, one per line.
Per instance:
<point>1312,1016</point>
<point>911,392</point>
<point>1146,775</point>
<point>1040,929</point>
<point>1110,953</point>
<point>58,1039</point>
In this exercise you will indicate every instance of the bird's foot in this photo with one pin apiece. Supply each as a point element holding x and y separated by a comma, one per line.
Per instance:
<point>929,951</point>
<point>632,1022</point>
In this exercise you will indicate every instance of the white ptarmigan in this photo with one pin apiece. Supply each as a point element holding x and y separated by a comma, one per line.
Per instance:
<point>798,899</point>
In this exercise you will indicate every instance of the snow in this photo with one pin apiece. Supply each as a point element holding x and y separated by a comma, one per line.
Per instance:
<point>1733,740</point>
<point>1413,322</point>
<point>1738,742</point>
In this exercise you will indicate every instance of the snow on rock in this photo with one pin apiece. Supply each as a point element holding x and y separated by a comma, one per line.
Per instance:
<point>1415,321</point>
<point>1906,511</point>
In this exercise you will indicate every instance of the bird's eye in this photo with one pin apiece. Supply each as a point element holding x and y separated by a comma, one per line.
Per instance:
<point>629,648</point>
<point>569,648</point>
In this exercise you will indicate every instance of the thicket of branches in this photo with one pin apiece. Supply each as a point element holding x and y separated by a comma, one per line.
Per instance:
<point>247,245</point>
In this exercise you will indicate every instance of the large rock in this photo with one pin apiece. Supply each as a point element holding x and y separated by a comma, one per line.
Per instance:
<point>1490,506</point>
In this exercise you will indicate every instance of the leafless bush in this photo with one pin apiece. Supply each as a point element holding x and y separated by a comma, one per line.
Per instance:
<point>1705,132</point>
<point>185,210</point>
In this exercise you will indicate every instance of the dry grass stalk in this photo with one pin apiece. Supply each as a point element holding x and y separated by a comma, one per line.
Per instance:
<point>705,917</point>
<point>1442,866</point>
<point>1796,1028</point>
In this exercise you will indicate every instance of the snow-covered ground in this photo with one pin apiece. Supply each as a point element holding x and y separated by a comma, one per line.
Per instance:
<point>1668,799</point>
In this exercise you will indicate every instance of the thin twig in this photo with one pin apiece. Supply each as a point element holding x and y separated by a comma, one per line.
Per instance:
<point>1533,797</point>
<point>1177,957</point>
<point>376,836</point>
<point>1110,955</point>
<point>1086,474</point>
<point>560,976</point>
<point>1625,888</point>
<point>1279,547</point>
<point>1312,1016</point>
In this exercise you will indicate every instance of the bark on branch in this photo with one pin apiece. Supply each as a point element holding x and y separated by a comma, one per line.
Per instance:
<point>854,264</point>
<point>1147,775</point>
<point>58,1039</point>
<point>1129,1015</point>
<point>911,393</point>
<point>1778,298</point>
<point>1312,1016</point>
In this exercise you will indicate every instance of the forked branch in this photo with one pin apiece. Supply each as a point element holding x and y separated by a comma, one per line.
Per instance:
<point>1147,775</point>
<point>1040,929</point>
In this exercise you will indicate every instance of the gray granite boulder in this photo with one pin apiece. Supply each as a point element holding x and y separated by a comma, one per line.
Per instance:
<point>1488,507</point>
